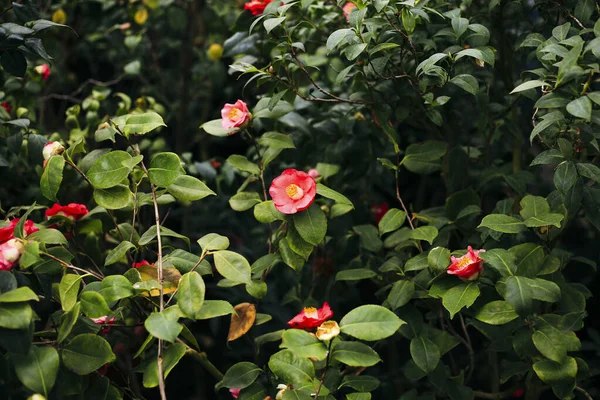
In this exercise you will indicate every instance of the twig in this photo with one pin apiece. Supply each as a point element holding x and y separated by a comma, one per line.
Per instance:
<point>70,266</point>
<point>467,344</point>
<point>585,394</point>
<point>325,371</point>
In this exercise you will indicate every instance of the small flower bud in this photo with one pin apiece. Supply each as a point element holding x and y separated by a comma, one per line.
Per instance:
<point>59,16</point>
<point>52,149</point>
<point>328,330</point>
<point>271,70</point>
<point>215,52</point>
<point>359,116</point>
<point>125,26</point>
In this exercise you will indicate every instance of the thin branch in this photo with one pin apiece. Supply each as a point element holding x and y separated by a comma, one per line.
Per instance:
<point>485,395</point>
<point>585,394</point>
<point>70,266</point>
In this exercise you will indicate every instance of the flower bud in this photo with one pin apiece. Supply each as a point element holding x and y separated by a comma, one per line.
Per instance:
<point>43,70</point>
<point>282,388</point>
<point>59,16</point>
<point>271,70</point>
<point>328,330</point>
<point>215,52</point>
<point>36,396</point>
<point>359,116</point>
<point>125,26</point>
<point>10,252</point>
<point>52,149</point>
<point>140,16</point>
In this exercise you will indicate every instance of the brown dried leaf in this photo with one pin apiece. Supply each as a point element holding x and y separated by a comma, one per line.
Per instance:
<point>241,321</point>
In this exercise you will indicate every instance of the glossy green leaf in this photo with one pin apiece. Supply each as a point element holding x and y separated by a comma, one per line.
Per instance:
<point>188,188</point>
<point>68,290</point>
<point>108,170</point>
<point>232,266</point>
<point>460,296</point>
<point>291,369</point>
<point>370,322</point>
<point>114,198</point>
<point>497,312</point>
<point>164,169</point>
<point>502,223</point>
<point>38,369</point>
<point>93,304</point>
<point>392,220</point>
<point>424,353</point>
<point>52,177</point>
<point>355,354</point>
<point>18,295</point>
<point>118,253</point>
<point>243,164</point>
<point>240,376</point>
<point>171,357</point>
<point>163,325</point>
<point>311,224</point>
<point>215,308</point>
<point>401,293</point>
<point>190,294</point>
<point>333,195</point>
<point>86,353</point>
<point>244,201</point>
<point>116,287</point>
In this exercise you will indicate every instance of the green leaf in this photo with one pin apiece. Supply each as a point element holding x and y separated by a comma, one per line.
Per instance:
<point>360,396</point>
<point>164,169</point>
<point>86,353</point>
<point>281,108</point>
<point>501,260</point>
<point>355,354</point>
<point>150,235</point>
<point>48,236</point>
<point>233,266</point>
<point>529,85</point>
<point>171,357</point>
<point>336,38</point>
<point>428,233</point>
<point>581,108</point>
<point>114,198</point>
<point>544,290</point>
<point>67,322</point>
<point>304,344</point>
<point>551,372</point>
<point>242,163</point>
<point>244,201</point>
<point>212,242</point>
<point>109,170</point>
<point>289,256</point>
<point>370,322</point>
<point>502,223</point>
<point>481,53</point>
<point>392,220</point>
<point>518,294</point>
<point>18,295</point>
<point>333,195</point>
<point>52,177</point>
<point>163,325</point>
<point>94,305</point>
<point>116,287</point>
<point>460,296</point>
<point>30,255</point>
<point>215,128</point>
<point>548,342</point>
<point>466,82</point>
<point>497,312</point>
<point>265,212</point>
<point>362,383</point>
<point>188,188</point>
<point>239,376</point>
<point>355,274</point>
<point>311,224</point>
<point>368,237</point>
<point>118,253</point>
<point>291,369</point>
<point>190,294</point>
<point>424,353</point>
<point>401,293</point>
<point>544,220</point>
<point>15,315</point>
<point>140,124</point>
<point>565,176</point>
<point>438,258</point>
<point>589,171</point>
<point>424,158</point>
<point>215,308</point>
<point>276,140</point>
<point>532,206</point>
<point>68,290</point>
<point>272,23</point>
<point>327,170</point>
<point>38,369</point>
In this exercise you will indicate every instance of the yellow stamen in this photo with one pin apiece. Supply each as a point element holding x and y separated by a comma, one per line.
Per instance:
<point>464,261</point>
<point>235,114</point>
<point>294,191</point>
<point>311,312</point>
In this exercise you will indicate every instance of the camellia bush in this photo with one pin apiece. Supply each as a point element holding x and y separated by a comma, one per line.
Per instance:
<point>400,200</point>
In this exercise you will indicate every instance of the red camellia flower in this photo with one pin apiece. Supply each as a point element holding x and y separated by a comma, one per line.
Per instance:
<point>467,267</point>
<point>43,70</point>
<point>347,9</point>
<point>293,191</point>
<point>10,252</point>
<point>140,264</point>
<point>235,392</point>
<point>311,318</point>
<point>235,115</point>
<point>102,321</point>
<point>518,393</point>
<point>7,233</point>
<point>256,7</point>
<point>73,211</point>
<point>6,106</point>
<point>379,210</point>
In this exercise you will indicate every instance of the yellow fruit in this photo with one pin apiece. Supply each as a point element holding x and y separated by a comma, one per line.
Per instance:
<point>140,16</point>
<point>59,16</point>
<point>215,52</point>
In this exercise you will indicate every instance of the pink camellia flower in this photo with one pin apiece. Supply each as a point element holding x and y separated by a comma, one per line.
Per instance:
<point>235,392</point>
<point>10,252</point>
<point>6,106</point>
<point>73,211</point>
<point>102,321</point>
<point>467,267</point>
<point>235,115</point>
<point>7,233</point>
<point>43,70</point>
<point>293,191</point>
<point>347,9</point>
<point>313,173</point>
<point>140,264</point>
<point>52,149</point>
<point>311,318</point>
<point>256,7</point>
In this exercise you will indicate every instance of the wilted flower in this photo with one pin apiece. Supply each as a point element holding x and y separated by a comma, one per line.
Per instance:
<point>467,267</point>
<point>52,149</point>
<point>311,318</point>
<point>215,52</point>
<point>347,9</point>
<point>43,70</point>
<point>293,191</point>
<point>328,330</point>
<point>256,7</point>
<point>73,211</point>
<point>10,252</point>
<point>235,115</point>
